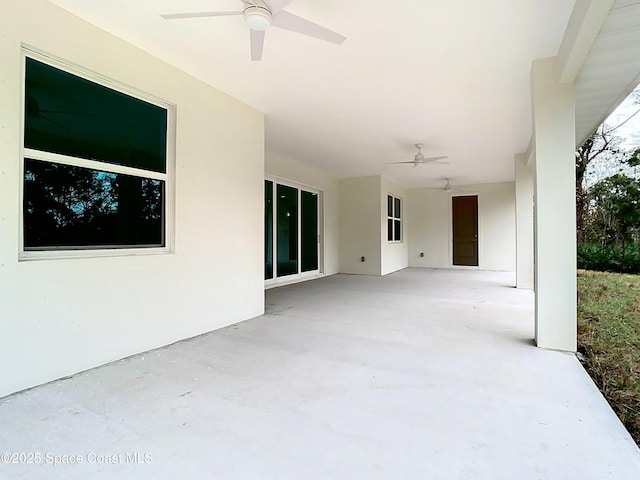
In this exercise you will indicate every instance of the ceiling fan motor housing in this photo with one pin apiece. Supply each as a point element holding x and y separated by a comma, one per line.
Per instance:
<point>257,17</point>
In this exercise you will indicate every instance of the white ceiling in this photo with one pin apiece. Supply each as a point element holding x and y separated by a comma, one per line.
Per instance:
<point>451,74</point>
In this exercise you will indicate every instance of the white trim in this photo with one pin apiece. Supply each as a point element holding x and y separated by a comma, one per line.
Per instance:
<point>587,19</point>
<point>90,253</point>
<point>170,182</point>
<point>169,208</point>
<point>90,75</point>
<point>91,164</point>
<point>322,246</point>
<point>292,183</point>
<point>291,279</point>
<point>20,206</point>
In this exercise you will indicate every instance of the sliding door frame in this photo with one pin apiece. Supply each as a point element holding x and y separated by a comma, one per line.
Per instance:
<point>300,276</point>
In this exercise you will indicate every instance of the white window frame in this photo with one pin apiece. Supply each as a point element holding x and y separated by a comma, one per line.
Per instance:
<point>167,177</point>
<point>394,217</point>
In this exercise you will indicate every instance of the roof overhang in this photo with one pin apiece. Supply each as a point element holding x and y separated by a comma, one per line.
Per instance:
<point>601,55</point>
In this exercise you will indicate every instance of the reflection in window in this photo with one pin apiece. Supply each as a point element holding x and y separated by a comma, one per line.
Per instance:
<point>72,207</point>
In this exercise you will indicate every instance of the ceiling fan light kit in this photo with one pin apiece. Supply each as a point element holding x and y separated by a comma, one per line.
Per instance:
<point>448,188</point>
<point>257,17</point>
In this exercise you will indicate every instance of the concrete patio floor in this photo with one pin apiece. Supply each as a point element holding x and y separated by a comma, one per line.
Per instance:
<point>422,374</point>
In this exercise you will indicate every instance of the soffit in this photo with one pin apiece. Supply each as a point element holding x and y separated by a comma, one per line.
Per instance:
<point>611,70</point>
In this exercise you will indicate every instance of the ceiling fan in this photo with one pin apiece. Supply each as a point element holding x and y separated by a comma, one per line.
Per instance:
<point>449,188</point>
<point>419,159</point>
<point>260,15</point>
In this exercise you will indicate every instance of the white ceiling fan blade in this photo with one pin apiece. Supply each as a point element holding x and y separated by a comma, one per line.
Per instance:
<point>396,163</point>
<point>434,159</point>
<point>176,16</point>
<point>276,5</point>
<point>257,44</point>
<point>293,23</point>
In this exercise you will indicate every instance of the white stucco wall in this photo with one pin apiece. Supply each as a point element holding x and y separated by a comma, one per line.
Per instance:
<point>429,231</point>
<point>394,255</point>
<point>285,168</point>
<point>61,316</point>
<point>497,226</point>
<point>430,226</point>
<point>360,226</point>
<point>524,222</point>
<point>363,227</point>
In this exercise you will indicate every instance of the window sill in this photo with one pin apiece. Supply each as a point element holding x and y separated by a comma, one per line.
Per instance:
<point>83,254</point>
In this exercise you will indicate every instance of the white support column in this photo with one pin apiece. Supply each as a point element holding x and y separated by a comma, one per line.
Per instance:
<point>524,223</point>
<point>555,215</point>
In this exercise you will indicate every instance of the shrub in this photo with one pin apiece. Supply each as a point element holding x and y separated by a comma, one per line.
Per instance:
<point>609,258</point>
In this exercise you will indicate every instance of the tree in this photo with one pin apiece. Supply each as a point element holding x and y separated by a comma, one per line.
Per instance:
<point>614,211</point>
<point>602,144</point>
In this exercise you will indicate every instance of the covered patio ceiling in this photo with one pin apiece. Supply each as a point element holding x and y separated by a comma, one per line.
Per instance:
<point>452,75</point>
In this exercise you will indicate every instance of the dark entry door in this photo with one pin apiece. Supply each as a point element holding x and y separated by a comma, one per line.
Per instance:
<point>465,230</point>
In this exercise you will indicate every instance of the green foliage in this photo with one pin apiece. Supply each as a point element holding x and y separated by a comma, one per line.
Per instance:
<point>634,158</point>
<point>609,338</point>
<point>615,201</point>
<point>609,258</point>
<point>604,146</point>
<point>613,223</point>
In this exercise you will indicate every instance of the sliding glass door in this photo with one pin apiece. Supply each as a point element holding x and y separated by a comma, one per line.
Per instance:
<point>309,231</point>
<point>268,229</point>
<point>287,230</point>
<point>291,234</point>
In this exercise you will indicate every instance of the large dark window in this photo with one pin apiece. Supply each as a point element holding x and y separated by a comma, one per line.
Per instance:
<point>95,167</point>
<point>71,207</point>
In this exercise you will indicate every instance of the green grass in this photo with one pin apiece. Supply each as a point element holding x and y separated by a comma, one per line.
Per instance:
<point>609,338</point>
